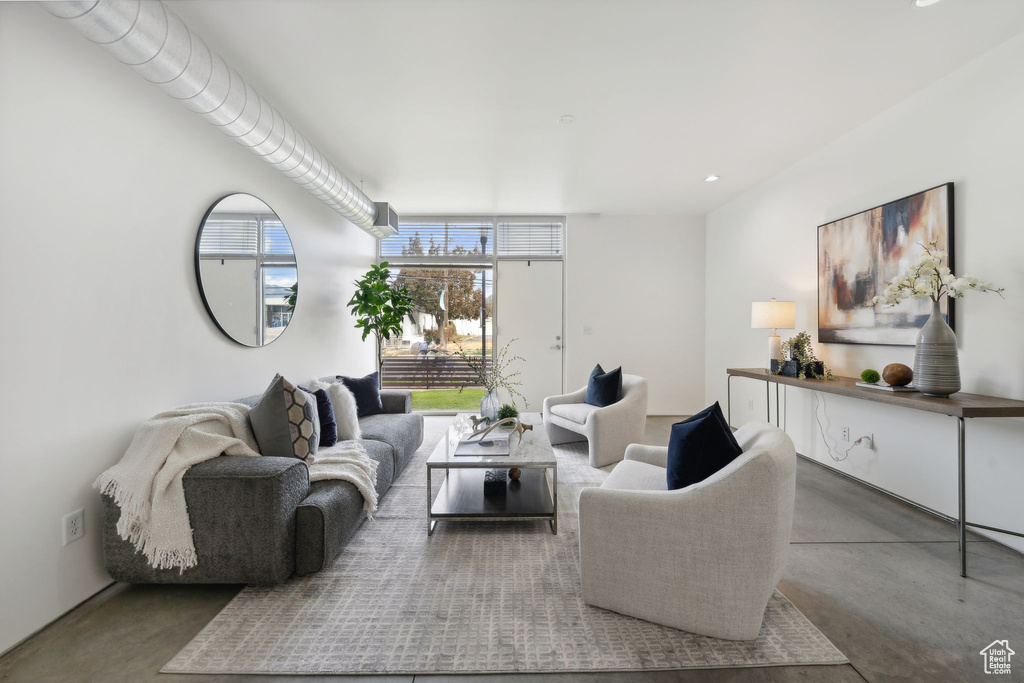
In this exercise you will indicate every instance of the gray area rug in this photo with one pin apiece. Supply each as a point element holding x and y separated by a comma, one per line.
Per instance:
<point>479,597</point>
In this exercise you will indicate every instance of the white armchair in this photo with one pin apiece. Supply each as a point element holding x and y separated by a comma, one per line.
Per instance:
<point>703,559</point>
<point>608,430</point>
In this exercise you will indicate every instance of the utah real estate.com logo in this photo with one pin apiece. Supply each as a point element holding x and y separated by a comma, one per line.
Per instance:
<point>997,657</point>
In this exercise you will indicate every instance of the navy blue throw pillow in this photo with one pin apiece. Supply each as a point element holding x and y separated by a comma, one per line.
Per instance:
<point>699,447</point>
<point>604,388</point>
<point>328,423</point>
<point>367,393</point>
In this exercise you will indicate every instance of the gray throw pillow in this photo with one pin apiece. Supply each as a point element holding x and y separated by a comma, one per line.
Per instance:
<point>285,421</point>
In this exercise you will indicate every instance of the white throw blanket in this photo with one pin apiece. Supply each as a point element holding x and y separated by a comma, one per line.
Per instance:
<point>349,462</point>
<point>147,483</point>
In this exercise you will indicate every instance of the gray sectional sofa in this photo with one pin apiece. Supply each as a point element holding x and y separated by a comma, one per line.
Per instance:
<point>260,520</point>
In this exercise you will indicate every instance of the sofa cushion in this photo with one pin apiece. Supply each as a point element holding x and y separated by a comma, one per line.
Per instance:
<point>633,475</point>
<point>699,447</point>
<point>574,412</point>
<point>604,388</point>
<point>284,421</point>
<point>333,510</point>
<point>402,431</point>
<point>367,393</point>
<point>377,450</point>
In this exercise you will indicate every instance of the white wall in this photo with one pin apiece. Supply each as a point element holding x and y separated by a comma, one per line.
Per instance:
<point>965,128</point>
<point>638,283</point>
<point>104,182</point>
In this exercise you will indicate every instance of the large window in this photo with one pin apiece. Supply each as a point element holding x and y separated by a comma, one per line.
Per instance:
<point>447,264</point>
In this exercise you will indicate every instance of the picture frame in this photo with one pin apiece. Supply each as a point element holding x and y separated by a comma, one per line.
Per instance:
<point>860,253</point>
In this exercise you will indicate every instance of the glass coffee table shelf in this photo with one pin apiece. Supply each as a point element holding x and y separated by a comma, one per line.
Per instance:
<point>461,494</point>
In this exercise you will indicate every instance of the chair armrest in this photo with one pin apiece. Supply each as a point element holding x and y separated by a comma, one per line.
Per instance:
<point>652,455</point>
<point>628,410</point>
<point>574,397</point>
<point>396,400</point>
<point>732,511</point>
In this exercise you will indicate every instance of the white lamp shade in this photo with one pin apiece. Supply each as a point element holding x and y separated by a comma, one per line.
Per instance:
<point>770,315</point>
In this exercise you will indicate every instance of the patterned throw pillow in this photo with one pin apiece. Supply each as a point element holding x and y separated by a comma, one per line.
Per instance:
<point>285,421</point>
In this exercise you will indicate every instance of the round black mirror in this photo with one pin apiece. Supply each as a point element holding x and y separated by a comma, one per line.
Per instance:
<point>246,270</point>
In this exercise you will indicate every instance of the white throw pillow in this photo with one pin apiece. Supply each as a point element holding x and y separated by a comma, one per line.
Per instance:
<point>345,412</point>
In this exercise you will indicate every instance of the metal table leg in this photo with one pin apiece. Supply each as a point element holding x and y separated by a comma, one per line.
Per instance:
<point>554,499</point>
<point>430,522</point>
<point>777,404</point>
<point>728,400</point>
<point>768,401</point>
<point>961,523</point>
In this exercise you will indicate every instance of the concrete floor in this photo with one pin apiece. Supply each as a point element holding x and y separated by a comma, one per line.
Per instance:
<point>878,577</point>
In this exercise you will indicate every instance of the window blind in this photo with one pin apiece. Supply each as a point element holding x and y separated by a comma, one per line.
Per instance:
<point>229,236</point>
<point>531,237</point>
<point>275,238</point>
<point>440,238</point>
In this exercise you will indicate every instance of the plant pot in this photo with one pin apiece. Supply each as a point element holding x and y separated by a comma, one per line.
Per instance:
<point>936,363</point>
<point>489,405</point>
<point>791,368</point>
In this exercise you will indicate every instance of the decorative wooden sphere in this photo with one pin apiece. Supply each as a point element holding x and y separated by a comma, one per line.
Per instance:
<point>897,374</point>
<point>515,473</point>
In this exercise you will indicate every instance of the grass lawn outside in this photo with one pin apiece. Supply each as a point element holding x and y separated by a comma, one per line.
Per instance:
<point>447,399</point>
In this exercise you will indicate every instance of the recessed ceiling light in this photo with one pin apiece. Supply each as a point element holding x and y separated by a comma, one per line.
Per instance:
<point>567,119</point>
<point>711,179</point>
<point>924,3</point>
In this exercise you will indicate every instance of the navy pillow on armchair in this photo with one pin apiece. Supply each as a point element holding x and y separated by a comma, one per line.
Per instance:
<point>700,446</point>
<point>604,388</point>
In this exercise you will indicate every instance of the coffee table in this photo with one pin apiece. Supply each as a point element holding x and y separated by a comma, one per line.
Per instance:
<point>461,495</point>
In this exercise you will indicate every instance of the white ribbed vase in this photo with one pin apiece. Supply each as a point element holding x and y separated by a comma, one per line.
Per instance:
<point>936,364</point>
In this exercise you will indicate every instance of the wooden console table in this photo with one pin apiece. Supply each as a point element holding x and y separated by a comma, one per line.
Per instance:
<point>959,405</point>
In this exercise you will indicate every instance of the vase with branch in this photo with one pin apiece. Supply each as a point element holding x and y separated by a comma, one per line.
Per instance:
<point>498,376</point>
<point>936,364</point>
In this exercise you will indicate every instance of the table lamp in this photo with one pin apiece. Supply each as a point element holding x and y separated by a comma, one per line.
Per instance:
<point>771,315</point>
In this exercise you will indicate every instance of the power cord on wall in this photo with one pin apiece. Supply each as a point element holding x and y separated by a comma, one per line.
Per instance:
<point>833,450</point>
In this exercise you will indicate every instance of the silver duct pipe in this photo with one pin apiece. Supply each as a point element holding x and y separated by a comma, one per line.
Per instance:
<point>151,39</point>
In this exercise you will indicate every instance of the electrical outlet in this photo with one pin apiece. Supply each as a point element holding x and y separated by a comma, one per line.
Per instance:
<point>74,526</point>
<point>587,329</point>
<point>750,404</point>
<point>846,434</point>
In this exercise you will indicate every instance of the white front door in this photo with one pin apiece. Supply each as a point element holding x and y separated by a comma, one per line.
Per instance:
<point>529,309</point>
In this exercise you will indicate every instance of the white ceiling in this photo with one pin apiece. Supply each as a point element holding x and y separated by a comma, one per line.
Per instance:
<point>453,106</point>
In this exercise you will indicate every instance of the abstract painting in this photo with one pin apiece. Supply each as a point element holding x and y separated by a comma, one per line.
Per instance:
<point>859,254</point>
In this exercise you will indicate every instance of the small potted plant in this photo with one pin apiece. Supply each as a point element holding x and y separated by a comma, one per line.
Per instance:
<point>797,359</point>
<point>507,410</point>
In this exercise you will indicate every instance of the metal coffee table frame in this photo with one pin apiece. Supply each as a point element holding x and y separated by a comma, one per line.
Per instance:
<point>534,454</point>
